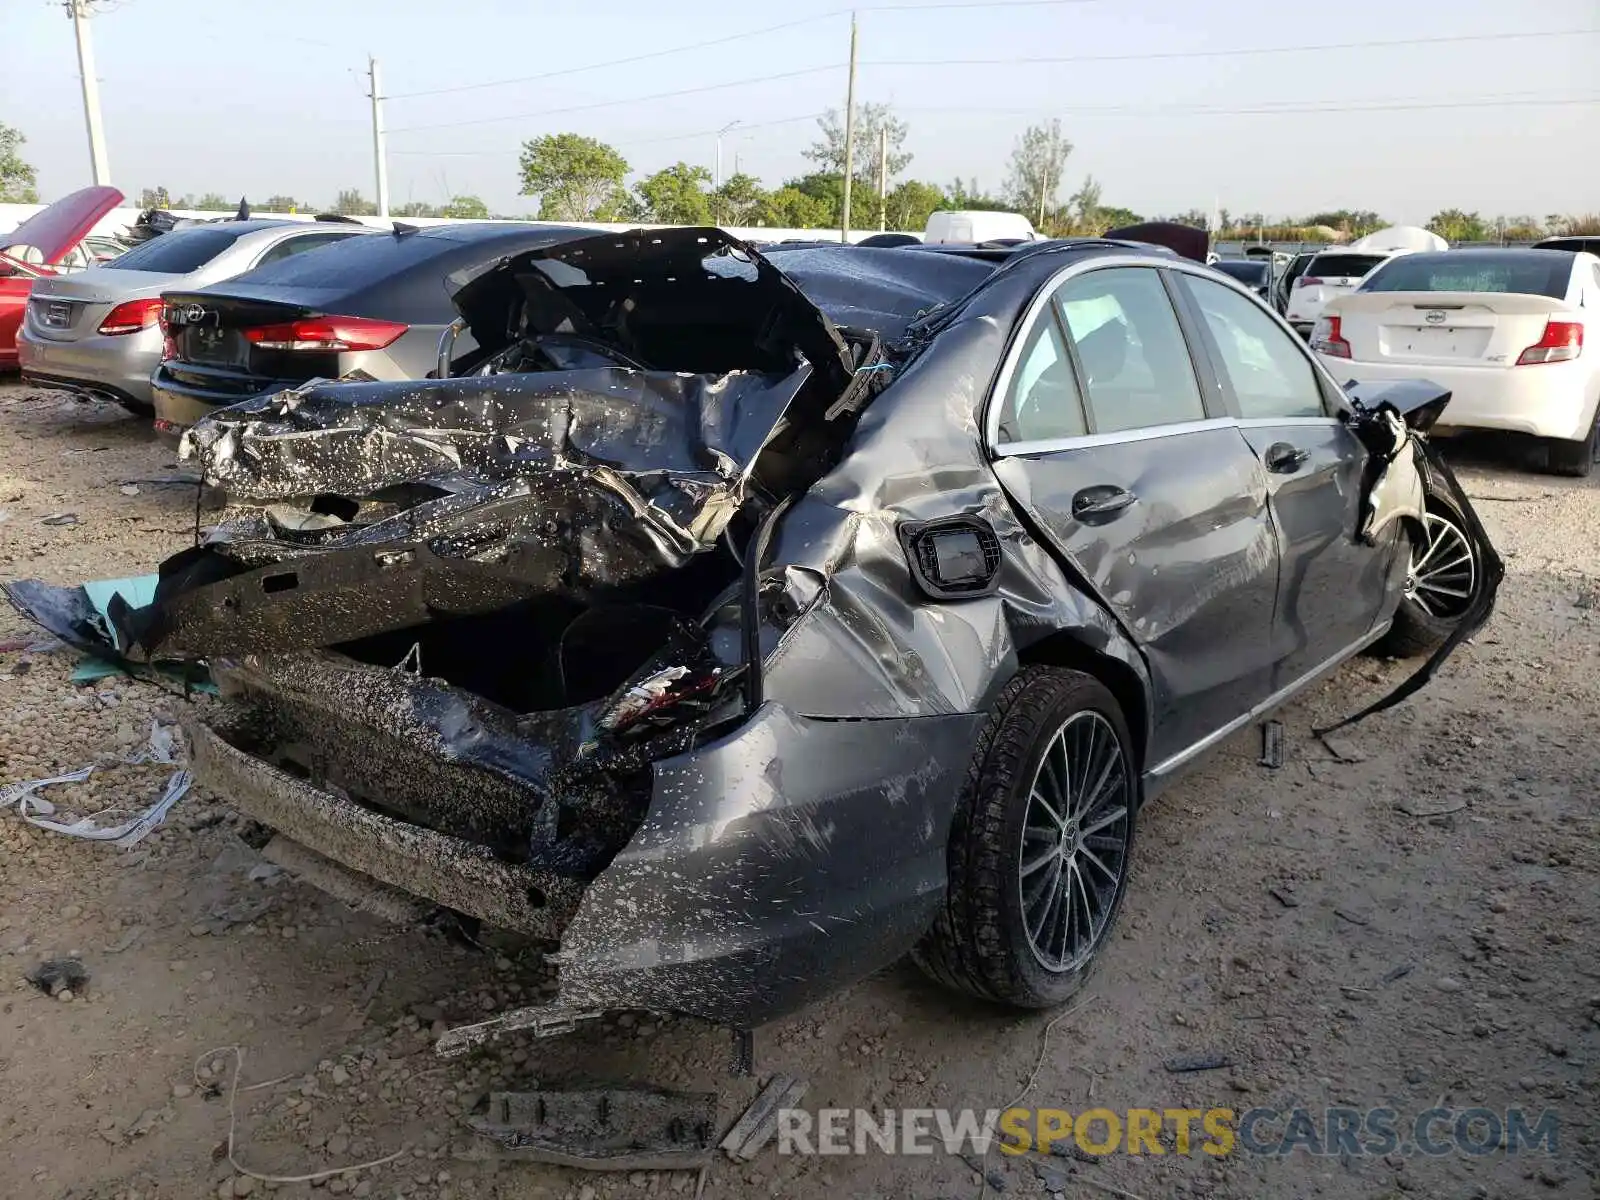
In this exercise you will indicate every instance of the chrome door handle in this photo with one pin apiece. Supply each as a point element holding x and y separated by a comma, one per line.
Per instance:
<point>1104,500</point>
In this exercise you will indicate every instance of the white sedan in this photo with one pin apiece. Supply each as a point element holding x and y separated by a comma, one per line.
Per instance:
<point>1503,329</point>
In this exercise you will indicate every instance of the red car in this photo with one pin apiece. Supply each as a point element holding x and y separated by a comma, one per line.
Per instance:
<point>44,245</point>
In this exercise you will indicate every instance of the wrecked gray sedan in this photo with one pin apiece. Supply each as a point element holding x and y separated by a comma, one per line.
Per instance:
<point>742,623</point>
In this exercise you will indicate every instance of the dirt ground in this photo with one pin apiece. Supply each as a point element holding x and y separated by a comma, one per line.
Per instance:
<point>1418,926</point>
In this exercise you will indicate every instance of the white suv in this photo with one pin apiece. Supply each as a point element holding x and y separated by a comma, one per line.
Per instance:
<point>1334,273</point>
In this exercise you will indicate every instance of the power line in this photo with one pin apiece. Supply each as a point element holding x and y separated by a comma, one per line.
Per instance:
<point>1287,107</point>
<point>572,108</point>
<point>639,141</point>
<point>1145,56</point>
<point>1240,52</point>
<point>728,39</point>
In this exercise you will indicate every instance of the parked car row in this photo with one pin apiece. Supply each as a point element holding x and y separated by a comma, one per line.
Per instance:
<point>744,620</point>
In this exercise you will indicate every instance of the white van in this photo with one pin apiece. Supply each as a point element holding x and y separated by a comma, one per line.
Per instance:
<point>971,227</point>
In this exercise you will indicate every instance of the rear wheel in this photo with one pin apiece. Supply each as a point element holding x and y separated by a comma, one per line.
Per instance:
<point>1441,582</point>
<point>1577,458</point>
<point>1039,852</point>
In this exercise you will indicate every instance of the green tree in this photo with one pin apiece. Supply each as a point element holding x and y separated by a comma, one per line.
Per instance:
<point>466,208</point>
<point>418,208</point>
<point>677,195</point>
<point>19,181</point>
<point>1116,218</point>
<point>910,204</point>
<point>1036,164</point>
<point>739,201</point>
<point>875,126</point>
<point>1453,225</point>
<point>1084,206</point>
<point>573,176</point>
<point>352,203</point>
<point>1193,218</point>
<point>213,202</point>
<point>156,197</point>
<point>280,204</point>
<point>967,196</point>
<point>791,207</point>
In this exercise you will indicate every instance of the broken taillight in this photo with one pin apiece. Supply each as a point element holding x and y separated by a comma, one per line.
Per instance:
<point>326,334</point>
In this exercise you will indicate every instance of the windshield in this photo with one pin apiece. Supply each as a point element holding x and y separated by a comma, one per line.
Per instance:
<point>1344,266</point>
<point>1523,272</point>
<point>1245,272</point>
<point>178,252</point>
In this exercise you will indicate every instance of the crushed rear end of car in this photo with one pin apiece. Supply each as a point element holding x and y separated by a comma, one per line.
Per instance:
<point>497,640</point>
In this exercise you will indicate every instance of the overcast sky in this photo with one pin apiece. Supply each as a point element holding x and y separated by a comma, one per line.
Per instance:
<point>257,99</point>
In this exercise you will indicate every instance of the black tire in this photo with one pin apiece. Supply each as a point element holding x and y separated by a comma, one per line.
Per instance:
<point>980,942</point>
<point>136,407</point>
<point>1575,459</point>
<point>1421,623</point>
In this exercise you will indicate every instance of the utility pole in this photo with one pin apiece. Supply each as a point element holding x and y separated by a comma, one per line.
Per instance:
<point>883,177</point>
<point>91,92</point>
<point>379,154</point>
<point>716,178</point>
<point>849,134</point>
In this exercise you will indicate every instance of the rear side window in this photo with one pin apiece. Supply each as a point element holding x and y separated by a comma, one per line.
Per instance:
<point>1270,375</point>
<point>353,263</point>
<point>299,245</point>
<point>1135,362</point>
<point>1343,266</point>
<point>1042,401</point>
<point>178,252</point>
<point>1525,272</point>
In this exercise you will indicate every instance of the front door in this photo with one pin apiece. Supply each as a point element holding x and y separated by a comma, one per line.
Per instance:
<point>1331,583</point>
<point>1105,440</point>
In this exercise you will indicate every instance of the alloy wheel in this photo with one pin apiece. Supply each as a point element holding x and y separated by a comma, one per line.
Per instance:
<point>1443,578</point>
<point>1075,838</point>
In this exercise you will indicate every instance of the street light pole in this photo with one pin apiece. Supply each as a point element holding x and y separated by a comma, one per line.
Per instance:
<point>849,134</point>
<point>91,92</point>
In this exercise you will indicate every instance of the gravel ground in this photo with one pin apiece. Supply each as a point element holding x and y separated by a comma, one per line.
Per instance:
<point>1413,923</point>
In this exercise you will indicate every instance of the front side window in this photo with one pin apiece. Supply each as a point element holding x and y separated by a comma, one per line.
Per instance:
<point>299,245</point>
<point>1135,363</point>
<point>1270,377</point>
<point>1042,401</point>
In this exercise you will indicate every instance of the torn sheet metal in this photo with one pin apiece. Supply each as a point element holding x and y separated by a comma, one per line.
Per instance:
<point>603,1129</point>
<point>36,810</point>
<point>541,1020</point>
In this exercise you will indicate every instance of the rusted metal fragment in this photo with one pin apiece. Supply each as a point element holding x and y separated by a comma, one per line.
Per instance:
<point>449,871</point>
<point>604,1129</point>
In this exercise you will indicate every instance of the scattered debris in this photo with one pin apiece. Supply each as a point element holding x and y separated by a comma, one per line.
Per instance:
<point>608,1129</point>
<point>1183,1064</point>
<point>759,1123</point>
<point>1411,810</point>
<point>130,936</point>
<point>61,518</point>
<point>1395,973</point>
<point>129,489</point>
<point>542,1020</point>
<point>37,811</point>
<point>1284,897</point>
<point>58,975</point>
<point>1272,744</point>
<point>1353,918</point>
<point>1343,749</point>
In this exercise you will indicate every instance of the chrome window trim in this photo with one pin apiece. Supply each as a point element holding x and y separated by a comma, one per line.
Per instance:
<point>1042,299</point>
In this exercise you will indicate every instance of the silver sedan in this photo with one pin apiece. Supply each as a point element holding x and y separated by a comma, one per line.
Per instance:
<point>97,332</point>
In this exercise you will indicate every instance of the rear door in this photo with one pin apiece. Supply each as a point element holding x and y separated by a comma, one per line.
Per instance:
<point>1105,436</point>
<point>1331,585</point>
